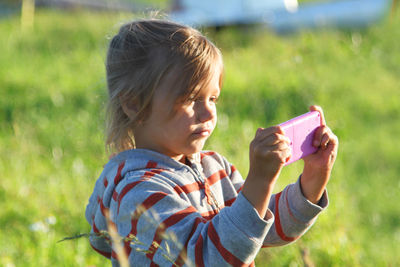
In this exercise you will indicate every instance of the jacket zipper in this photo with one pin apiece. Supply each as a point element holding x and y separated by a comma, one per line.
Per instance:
<point>211,199</point>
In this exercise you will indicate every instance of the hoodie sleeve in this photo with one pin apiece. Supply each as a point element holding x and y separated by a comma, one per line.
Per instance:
<point>161,227</point>
<point>293,213</point>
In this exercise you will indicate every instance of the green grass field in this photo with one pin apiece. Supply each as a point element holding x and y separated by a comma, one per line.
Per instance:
<point>52,94</point>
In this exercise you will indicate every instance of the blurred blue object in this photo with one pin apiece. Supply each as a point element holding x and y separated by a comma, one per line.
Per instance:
<point>340,14</point>
<point>226,12</point>
<point>281,15</point>
<point>7,9</point>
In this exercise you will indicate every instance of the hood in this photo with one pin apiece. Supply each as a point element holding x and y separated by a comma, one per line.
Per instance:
<point>114,171</point>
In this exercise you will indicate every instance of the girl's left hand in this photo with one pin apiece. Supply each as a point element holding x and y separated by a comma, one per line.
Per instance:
<point>318,166</point>
<point>327,144</point>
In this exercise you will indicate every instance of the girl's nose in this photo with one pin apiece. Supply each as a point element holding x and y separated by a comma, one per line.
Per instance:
<point>206,111</point>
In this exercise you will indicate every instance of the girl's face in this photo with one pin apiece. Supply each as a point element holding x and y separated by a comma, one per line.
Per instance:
<point>187,130</point>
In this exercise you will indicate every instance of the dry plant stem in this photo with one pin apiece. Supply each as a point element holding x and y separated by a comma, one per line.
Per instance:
<point>27,14</point>
<point>116,240</point>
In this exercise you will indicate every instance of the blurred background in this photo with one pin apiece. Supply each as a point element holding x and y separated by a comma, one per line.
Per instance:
<point>280,57</point>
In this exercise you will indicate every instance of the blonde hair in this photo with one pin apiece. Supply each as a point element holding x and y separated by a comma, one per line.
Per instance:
<point>139,57</point>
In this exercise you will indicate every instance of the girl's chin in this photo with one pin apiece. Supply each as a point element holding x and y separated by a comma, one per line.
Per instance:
<point>197,147</point>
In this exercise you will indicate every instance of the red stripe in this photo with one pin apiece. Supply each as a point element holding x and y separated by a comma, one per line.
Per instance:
<point>198,252</point>
<point>208,215</point>
<point>147,204</point>
<point>151,164</point>
<point>104,253</point>
<point>240,189</point>
<point>228,257</point>
<point>125,190</point>
<point>196,186</point>
<point>278,226</point>
<point>216,177</point>
<point>180,261</point>
<point>115,196</point>
<point>170,221</point>
<point>118,177</point>
<point>102,207</point>
<point>229,202</point>
<point>130,186</point>
<point>178,190</point>
<point>233,169</point>
<point>189,188</point>
<point>153,172</point>
<point>127,247</point>
<point>105,182</point>
<point>114,255</point>
<point>95,229</point>
<point>182,255</point>
<point>203,154</point>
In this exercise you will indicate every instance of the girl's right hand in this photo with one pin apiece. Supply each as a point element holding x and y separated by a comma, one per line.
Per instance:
<point>269,151</point>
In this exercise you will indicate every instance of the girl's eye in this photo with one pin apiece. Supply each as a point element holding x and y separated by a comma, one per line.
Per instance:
<point>192,99</point>
<point>214,99</point>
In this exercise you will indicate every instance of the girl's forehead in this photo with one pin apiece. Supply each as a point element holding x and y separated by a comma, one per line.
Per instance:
<point>178,84</point>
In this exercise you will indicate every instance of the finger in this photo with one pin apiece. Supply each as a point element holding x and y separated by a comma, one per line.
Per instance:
<point>259,131</point>
<point>319,133</point>
<point>270,130</point>
<point>282,156</point>
<point>274,139</point>
<point>281,146</point>
<point>333,141</point>
<point>285,155</point>
<point>325,140</point>
<point>265,148</point>
<point>273,134</point>
<point>331,147</point>
<point>319,109</point>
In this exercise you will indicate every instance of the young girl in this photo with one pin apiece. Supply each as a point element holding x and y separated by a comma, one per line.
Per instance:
<point>171,202</point>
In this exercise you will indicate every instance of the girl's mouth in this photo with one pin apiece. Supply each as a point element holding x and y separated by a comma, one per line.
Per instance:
<point>202,132</point>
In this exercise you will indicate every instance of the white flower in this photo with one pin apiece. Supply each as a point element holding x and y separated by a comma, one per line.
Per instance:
<point>39,227</point>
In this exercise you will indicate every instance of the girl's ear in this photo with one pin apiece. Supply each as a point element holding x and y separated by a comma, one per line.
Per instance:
<point>130,108</point>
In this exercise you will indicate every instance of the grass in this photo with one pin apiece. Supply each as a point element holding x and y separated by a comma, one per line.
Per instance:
<point>51,142</point>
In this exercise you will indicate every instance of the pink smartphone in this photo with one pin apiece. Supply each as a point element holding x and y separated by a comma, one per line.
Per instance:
<point>300,131</point>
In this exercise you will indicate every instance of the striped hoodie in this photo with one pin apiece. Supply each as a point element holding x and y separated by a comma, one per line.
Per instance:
<point>174,214</point>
